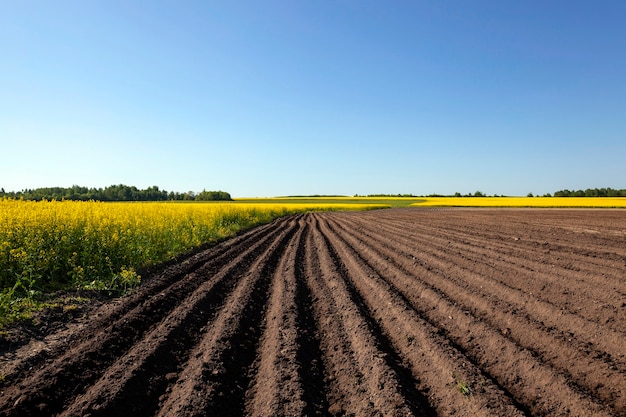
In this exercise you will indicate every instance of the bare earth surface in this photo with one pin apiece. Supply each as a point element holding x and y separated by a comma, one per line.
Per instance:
<point>440,312</point>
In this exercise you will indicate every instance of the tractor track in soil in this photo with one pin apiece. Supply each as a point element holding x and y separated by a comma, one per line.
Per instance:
<point>398,312</point>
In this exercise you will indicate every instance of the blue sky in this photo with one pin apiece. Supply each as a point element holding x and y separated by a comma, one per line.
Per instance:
<point>314,97</point>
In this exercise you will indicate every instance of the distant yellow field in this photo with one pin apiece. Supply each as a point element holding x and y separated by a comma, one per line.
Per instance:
<point>339,202</point>
<point>590,202</point>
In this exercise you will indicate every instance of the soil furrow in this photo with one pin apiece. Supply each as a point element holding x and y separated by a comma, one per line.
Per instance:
<point>504,228</point>
<point>445,255</point>
<point>434,265</point>
<point>417,400</point>
<point>156,284</point>
<point>471,335</point>
<point>360,380</point>
<point>277,388</point>
<point>434,360</point>
<point>162,351</point>
<point>74,370</point>
<point>598,377</point>
<point>559,271</point>
<point>217,374</point>
<point>556,271</point>
<point>532,242</point>
<point>309,354</point>
<point>443,262</point>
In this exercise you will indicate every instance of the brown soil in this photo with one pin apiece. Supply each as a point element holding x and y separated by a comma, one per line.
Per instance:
<point>441,312</point>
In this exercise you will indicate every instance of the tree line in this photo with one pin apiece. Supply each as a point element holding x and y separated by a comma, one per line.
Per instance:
<point>119,192</point>
<point>591,192</point>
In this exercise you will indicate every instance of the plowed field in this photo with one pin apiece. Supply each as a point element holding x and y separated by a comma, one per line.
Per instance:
<point>400,312</point>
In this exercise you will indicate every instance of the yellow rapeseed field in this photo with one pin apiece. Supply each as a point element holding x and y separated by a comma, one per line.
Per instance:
<point>590,202</point>
<point>51,245</point>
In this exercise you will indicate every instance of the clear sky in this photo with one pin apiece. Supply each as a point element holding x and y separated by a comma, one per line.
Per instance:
<point>267,98</point>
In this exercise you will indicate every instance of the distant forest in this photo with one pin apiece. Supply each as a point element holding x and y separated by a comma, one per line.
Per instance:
<point>123,192</point>
<point>119,192</point>
<point>591,192</point>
